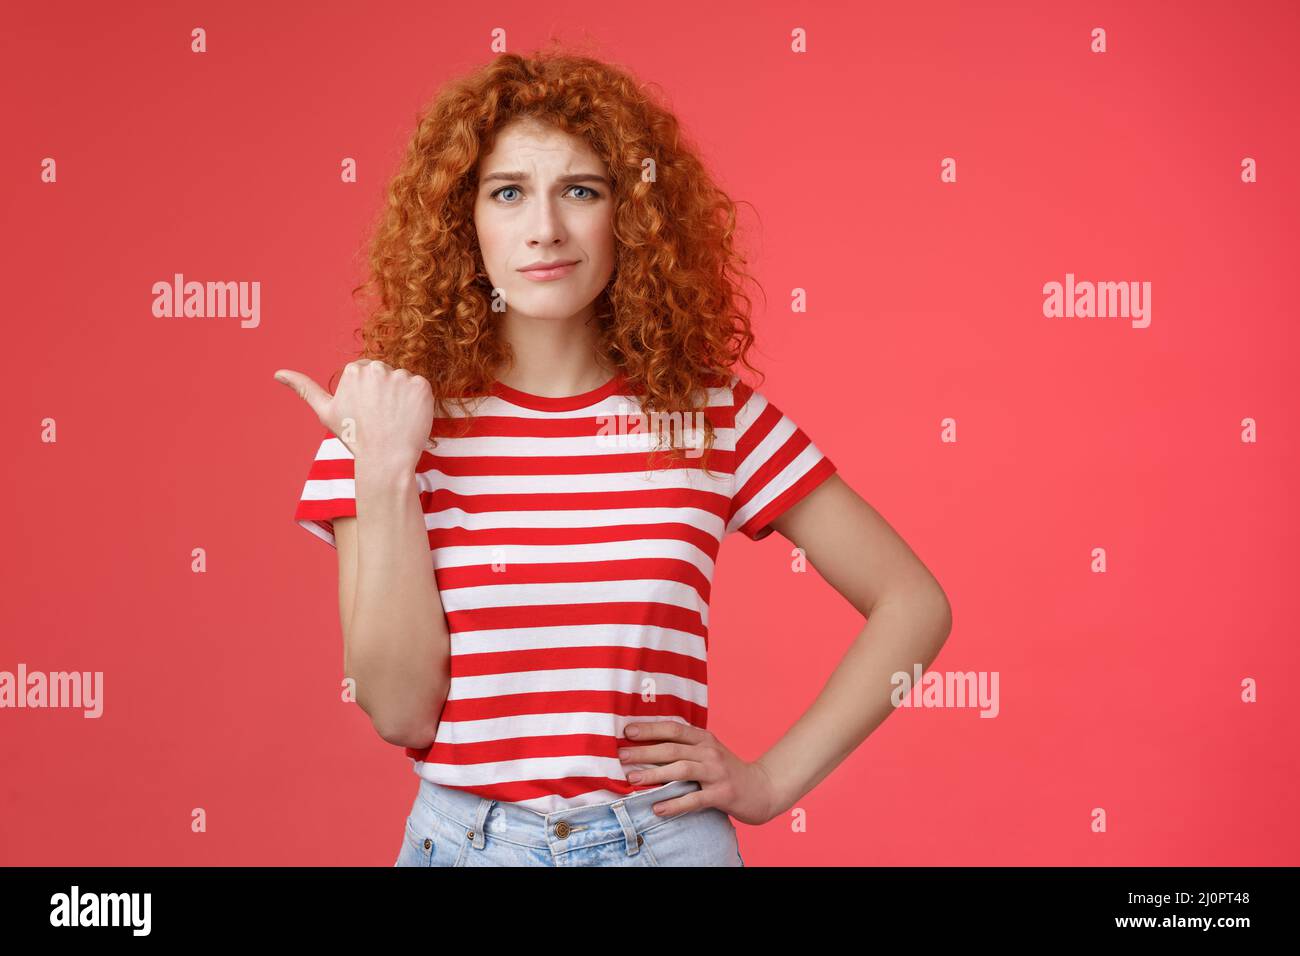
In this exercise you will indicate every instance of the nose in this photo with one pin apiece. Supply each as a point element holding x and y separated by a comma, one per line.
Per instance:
<point>547,226</point>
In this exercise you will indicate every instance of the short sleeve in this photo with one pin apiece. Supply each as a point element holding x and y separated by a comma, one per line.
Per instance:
<point>330,490</point>
<point>776,464</point>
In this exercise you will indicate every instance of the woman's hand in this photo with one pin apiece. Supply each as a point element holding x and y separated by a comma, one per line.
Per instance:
<point>742,789</point>
<point>383,415</point>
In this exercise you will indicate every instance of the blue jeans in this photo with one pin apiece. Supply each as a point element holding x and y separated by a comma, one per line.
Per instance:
<point>450,827</point>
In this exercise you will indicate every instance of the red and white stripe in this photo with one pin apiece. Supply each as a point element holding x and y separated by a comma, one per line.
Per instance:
<point>575,577</point>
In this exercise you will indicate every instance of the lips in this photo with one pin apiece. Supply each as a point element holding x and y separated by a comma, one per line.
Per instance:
<point>547,265</point>
<point>540,272</point>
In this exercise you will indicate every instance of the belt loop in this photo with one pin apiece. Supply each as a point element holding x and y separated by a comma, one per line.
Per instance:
<point>629,831</point>
<point>480,821</point>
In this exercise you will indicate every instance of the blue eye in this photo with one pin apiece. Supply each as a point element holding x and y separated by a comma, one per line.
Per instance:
<point>590,198</point>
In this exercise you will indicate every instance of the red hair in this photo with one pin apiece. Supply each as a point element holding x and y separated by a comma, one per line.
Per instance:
<point>675,317</point>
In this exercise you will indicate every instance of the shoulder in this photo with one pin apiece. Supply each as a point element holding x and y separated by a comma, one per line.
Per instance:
<point>747,402</point>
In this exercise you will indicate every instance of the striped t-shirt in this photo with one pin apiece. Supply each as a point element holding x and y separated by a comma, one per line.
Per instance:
<point>575,573</point>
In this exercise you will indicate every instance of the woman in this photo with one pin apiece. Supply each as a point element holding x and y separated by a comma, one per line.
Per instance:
<point>545,411</point>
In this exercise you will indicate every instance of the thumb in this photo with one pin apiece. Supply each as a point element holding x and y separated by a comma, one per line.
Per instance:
<point>307,390</point>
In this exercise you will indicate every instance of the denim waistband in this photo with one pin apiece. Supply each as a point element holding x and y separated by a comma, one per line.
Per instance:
<point>583,826</point>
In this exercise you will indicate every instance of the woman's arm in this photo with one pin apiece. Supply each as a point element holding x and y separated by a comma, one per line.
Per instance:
<point>908,621</point>
<point>395,640</point>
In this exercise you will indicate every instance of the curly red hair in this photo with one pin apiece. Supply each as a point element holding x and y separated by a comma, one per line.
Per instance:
<point>675,317</point>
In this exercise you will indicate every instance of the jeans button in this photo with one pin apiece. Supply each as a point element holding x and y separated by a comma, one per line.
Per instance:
<point>561,829</point>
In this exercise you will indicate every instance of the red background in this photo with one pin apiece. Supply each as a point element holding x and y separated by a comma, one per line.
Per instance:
<point>1119,690</point>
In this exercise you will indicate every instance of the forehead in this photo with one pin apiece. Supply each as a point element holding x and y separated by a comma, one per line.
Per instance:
<point>528,140</point>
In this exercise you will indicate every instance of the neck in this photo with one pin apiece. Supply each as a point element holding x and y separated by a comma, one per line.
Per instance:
<point>554,358</point>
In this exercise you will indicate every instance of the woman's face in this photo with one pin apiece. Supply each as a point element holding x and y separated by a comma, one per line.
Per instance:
<point>543,196</point>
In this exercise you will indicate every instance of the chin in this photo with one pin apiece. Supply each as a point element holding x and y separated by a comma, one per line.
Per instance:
<point>548,308</point>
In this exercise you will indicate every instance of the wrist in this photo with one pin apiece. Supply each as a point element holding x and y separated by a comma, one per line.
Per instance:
<point>778,803</point>
<point>383,473</point>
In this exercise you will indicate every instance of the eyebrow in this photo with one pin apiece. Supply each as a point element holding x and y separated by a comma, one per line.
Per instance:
<point>571,178</point>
